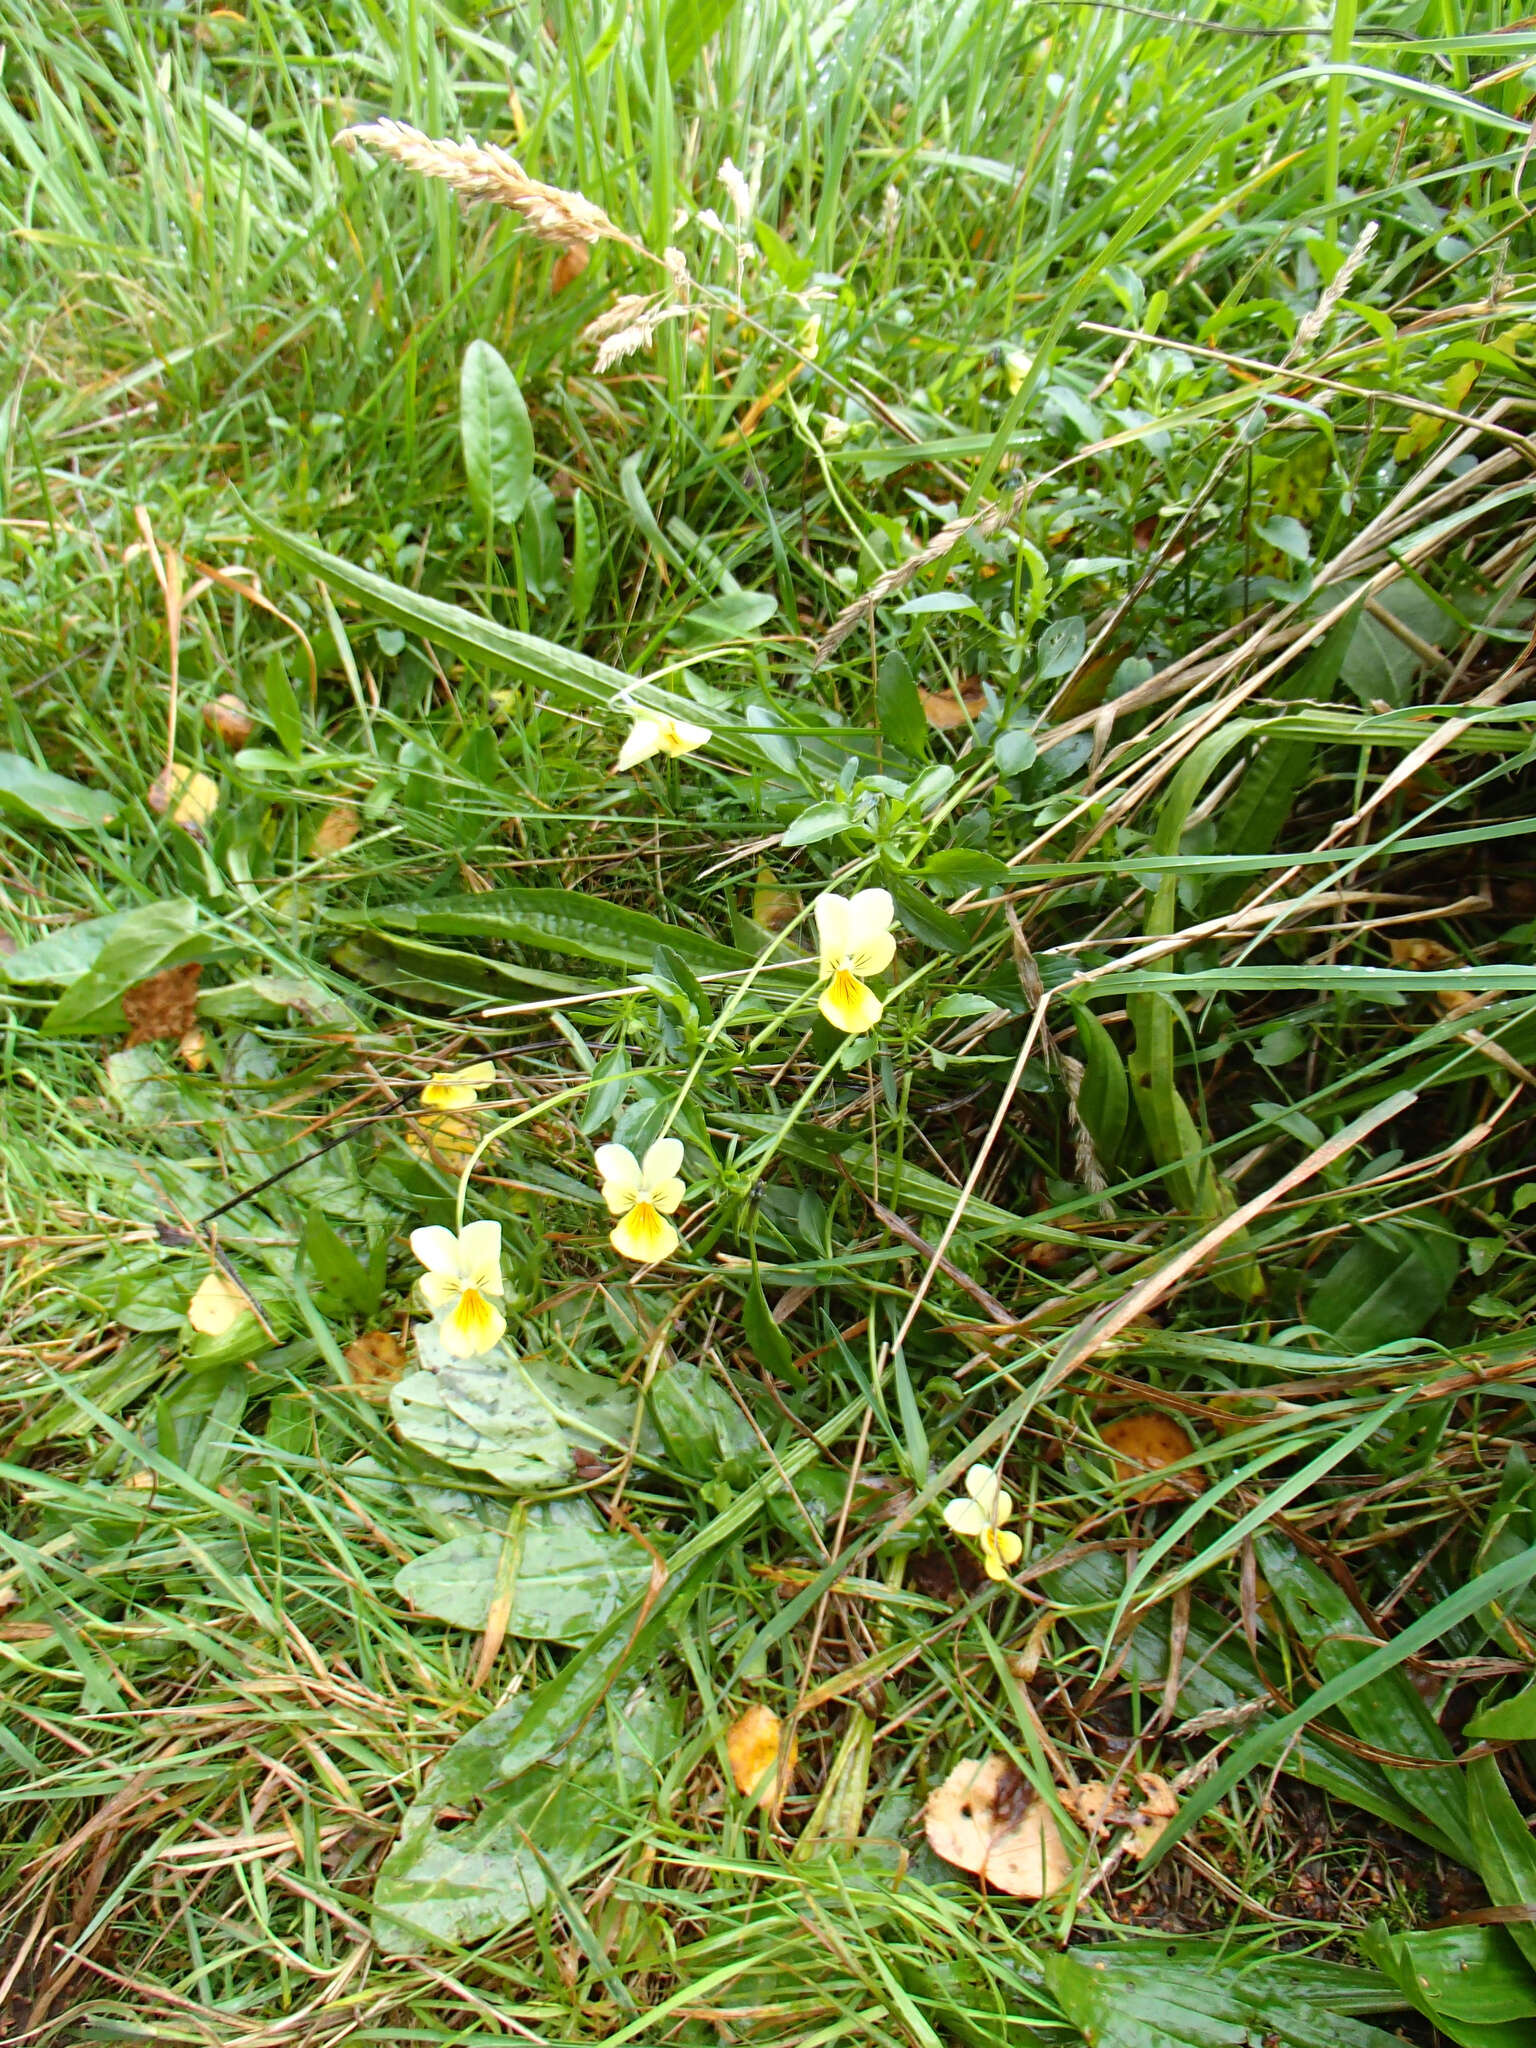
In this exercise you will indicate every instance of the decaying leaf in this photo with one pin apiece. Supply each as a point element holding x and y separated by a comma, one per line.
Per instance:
<point>752,1745</point>
<point>1145,1443</point>
<point>1419,954</point>
<point>376,1360</point>
<point>190,796</point>
<point>944,709</point>
<point>336,830</point>
<point>228,718</point>
<point>217,1305</point>
<point>987,1818</point>
<point>568,266</point>
<point>1099,1807</point>
<point>774,905</point>
<point>192,1048</point>
<point>165,1006</point>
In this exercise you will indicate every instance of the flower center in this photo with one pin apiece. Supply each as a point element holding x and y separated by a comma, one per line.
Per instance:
<point>846,986</point>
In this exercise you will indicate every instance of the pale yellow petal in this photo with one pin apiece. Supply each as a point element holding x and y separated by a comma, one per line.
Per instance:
<point>999,1549</point>
<point>643,740</point>
<point>480,1257</point>
<point>437,1249</point>
<point>678,737</point>
<point>217,1305</point>
<point>665,1196</point>
<point>619,1171</point>
<point>965,1518</point>
<point>848,1004</point>
<point>644,1236</point>
<point>832,930</point>
<point>473,1326</point>
<point>439,1290</point>
<point>662,1162</point>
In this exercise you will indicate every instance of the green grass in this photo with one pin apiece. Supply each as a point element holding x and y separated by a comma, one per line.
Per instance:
<point>1196,755</point>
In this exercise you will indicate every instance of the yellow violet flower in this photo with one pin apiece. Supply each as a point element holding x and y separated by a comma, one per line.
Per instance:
<point>458,1091</point>
<point>648,736</point>
<point>461,1273</point>
<point>855,934</point>
<point>642,1193</point>
<point>982,1516</point>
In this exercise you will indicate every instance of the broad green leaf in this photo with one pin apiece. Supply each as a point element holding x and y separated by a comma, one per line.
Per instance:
<point>1511,1720</point>
<point>144,942</point>
<point>1502,1847</point>
<point>496,435</point>
<point>65,954</point>
<point>336,1268</point>
<point>690,25</point>
<point>1471,1981</point>
<point>815,823</point>
<point>768,1343</point>
<point>482,1415</point>
<point>1061,647</point>
<point>791,268</point>
<point>570,1578</point>
<point>1118,2003</point>
<point>446,1885</point>
<point>734,615</point>
<point>1014,750</point>
<point>704,1432</point>
<point>935,926</point>
<point>899,708</point>
<point>1104,1096</point>
<point>959,868</point>
<point>1390,1283</point>
<point>43,798</point>
<point>560,921</point>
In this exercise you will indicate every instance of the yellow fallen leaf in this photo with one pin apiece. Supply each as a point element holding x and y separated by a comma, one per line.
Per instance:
<point>376,1360</point>
<point>1099,1807</point>
<point>187,794</point>
<point>1144,1443</point>
<point>752,1744</point>
<point>987,1818</point>
<point>217,1305</point>
<point>444,1136</point>
<point>192,1047</point>
<point>1419,954</point>
<point>228,718</point>
<point>774,905</point>
<point>336,830</point>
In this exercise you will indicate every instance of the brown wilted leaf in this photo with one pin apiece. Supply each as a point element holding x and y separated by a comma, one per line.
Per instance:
<point>944,711</point>
<point>752,1745</point>
<point>1146,1442</point>
<point>336,830</point>
<point>165,1006</point>
<point>376,1360</point>
<point>1099,1807</point>
<point>568,266</point>
<point>774,905</point>
<point>228,718</point>
<point>1418,954</point>
<point>987,1818</point>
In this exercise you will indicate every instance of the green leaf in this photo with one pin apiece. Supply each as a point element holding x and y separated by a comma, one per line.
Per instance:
<point>1502,1846</point>
<point>1511,1720</point>
<point>1104,1098</point>
<point>703,1430</point>
<point>690,25</point>
<point>586,555</point>
<point>935,926</point>
<point>734,615</point>
<point>65,954</point>
<point>482,1415</point>
<point>1388,1284</point>
<point>572,1575</point>
<point>793,270</point>
<point>560,921</point>
<point>1061,648</point>
<point>817,822</point>
<point>496,435</point>
<point>959,868</point>
<point>1117,2003</point>
<point>1471,1981</point>
<point>283,706</point>
<point>144,942</point>
<point>449,1885</point>
<point>768,1343</point>
<point>1014,751</point>
<point>37,794</point>
<point>337,1270</point>
<point>899,708</point>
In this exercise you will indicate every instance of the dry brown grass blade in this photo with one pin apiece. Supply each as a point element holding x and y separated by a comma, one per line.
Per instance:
<point>483,170</point>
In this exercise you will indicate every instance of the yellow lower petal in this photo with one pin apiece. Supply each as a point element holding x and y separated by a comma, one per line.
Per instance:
<point>448,1095</point>
<point>472,1326</point>
<point>1000,1548</point>
<point>848,1004</point>
<point>644,1236</point>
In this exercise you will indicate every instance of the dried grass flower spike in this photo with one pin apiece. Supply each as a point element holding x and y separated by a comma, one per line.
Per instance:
<point>855,935</point>
<point>642,1194</point>
<point>461,1274</point>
